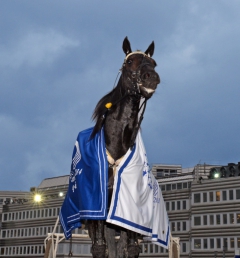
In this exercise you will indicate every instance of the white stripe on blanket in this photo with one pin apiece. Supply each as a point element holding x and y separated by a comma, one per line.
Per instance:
<point>137,203</point>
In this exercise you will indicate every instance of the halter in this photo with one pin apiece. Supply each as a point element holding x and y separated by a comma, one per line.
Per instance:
<point>135,76</point>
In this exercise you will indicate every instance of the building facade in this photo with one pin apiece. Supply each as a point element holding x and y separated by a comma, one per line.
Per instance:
<point>203,205</point>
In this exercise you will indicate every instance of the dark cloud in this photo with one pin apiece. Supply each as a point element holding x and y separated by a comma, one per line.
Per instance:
<point>58,58</point>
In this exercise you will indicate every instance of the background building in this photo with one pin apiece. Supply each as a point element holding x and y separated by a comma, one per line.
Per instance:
<point>203,204</point>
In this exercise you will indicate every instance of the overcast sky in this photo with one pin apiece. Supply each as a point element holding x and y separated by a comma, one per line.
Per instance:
<point>58,58</point>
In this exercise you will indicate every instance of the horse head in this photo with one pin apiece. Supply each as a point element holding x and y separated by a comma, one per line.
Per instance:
<point>138,71</point>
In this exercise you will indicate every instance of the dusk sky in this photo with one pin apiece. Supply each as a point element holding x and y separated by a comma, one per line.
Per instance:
<point>58,58</point>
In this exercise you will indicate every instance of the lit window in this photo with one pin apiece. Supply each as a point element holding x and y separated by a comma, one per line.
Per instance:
<point>218,196</point>
<point>238,218</point>
<point>238,242</point>
<point>232,244</point>
<point>197,243</point>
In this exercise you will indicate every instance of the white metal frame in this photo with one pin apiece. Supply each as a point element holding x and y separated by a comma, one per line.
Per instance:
<point>56,238</point>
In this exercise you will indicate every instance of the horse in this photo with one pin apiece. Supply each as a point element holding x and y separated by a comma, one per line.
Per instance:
<point>120,112</point>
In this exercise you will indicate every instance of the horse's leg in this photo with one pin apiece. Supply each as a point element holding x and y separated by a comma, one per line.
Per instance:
<point>122,245</point>
<point>110,239</point>
<point>96,232</point>
<point>133,248</point>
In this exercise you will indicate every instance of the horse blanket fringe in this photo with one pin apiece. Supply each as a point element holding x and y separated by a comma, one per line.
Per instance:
<point>137,203</point>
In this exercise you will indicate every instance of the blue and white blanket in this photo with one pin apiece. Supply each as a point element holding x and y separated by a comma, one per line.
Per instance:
<point>137,203</point>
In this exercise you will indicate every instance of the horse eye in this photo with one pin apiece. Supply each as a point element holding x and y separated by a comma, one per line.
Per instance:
<point>129,61</point>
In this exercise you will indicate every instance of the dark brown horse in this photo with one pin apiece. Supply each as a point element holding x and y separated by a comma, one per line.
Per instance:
<point>121,114</point>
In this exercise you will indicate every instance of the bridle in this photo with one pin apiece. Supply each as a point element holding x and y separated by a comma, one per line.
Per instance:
<point>135,77</point>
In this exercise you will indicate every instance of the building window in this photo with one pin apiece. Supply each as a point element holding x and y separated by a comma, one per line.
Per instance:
<point>173,226</point>
<point>204,197</point>
<point>219,243</point>
<point>211,196</point>
<point>230,194</point>
<point>184,205</point>
<point>184,226</point>
<point>179,186</point>
<point>211,243</point>
<point>197,197</point>
<point>185,185</point>
<point>197,243</point>
<point>178,205</point>
<point>238,194</point>
<point>238,218</point>
<point>163,187</point>
<point>224,195</point>
<point>218,219</point>
<point>224,218</point>
<point>225,242</point>
<point>197,221</point>
<point>178,226</point>
<point>218,196</point>
<point>167,206</point>
<point>168,187</point>
<point>211,219</point>
<point>184,247</point>
<point>232,244</point>
<point>238,242</point>
<point>231,218</point>
<point>173,206</point>
<point>205,220</point>
<point>174,186</point>
<point>205,243</point>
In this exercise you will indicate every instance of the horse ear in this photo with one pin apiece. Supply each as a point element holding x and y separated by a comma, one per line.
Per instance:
<point>126,46</point>
<point>149,52</point>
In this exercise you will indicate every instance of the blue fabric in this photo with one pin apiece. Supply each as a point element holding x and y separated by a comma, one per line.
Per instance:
<point>87,192</point>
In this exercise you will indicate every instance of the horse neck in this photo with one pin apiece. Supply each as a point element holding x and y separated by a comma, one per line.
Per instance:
<point>119,126</point>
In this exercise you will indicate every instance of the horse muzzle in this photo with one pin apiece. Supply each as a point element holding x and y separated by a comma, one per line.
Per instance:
<point>148,84</point>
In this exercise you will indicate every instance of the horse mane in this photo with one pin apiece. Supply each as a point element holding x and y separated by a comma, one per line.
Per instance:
<point>100,110</point>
